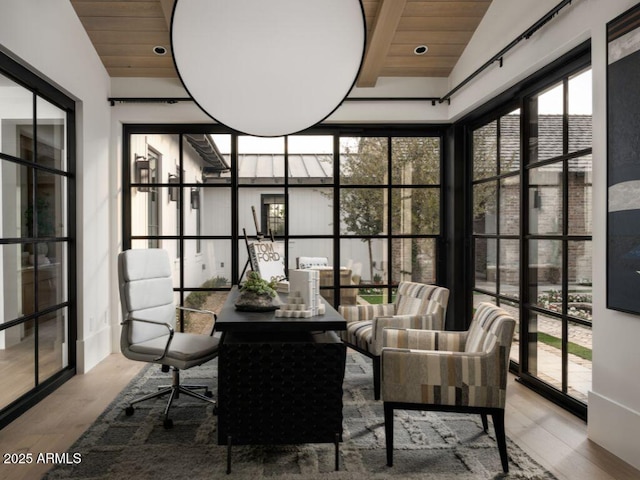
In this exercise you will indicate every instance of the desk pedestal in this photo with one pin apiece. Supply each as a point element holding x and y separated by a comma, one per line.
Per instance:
<point>282,388</point>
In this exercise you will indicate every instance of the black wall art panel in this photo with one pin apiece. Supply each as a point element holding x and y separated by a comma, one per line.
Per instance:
<point>623,164</point>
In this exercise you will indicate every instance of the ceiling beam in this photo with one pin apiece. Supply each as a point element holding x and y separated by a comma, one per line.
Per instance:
<point>167,9</point>
<point>382,34</point>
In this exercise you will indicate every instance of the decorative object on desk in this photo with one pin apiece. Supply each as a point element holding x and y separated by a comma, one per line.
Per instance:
<point>306,284</point>
<point>258,294</point>
<point>432,445</point>
<point>267,258</point>
<point>296,308</point>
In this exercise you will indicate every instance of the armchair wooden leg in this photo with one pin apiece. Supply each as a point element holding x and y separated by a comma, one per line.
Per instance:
<point>388,432</point>
<point>376,378</point>
<point>485,423</point>
<point>498,425</point>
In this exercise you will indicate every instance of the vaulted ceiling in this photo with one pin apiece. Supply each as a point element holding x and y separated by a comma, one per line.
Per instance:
<point>125,34</point>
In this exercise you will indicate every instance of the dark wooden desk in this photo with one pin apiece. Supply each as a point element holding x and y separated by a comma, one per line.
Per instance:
<point>279,379</point>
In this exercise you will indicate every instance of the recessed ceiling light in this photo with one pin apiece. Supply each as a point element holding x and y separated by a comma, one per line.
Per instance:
<point>421,50</point>
<point>159,50</point>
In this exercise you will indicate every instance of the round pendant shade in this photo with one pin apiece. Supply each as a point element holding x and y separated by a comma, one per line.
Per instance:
<point>268,67</point>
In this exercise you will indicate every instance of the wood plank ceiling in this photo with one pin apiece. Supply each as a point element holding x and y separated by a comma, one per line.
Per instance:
<point>125,33</point>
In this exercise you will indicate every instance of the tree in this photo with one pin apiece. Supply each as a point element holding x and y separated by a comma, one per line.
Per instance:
<point>363,210</point>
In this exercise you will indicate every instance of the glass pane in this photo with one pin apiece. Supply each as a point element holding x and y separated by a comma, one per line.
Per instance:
<point>364,161</point>
<point>202,160</point>
<point>545,274</point>
<point>214,205</point>
<point>416,211</point>
<point>312,247</point>
<point>201,323</point>
<point>49,214</point>
<point>579,367</point>
<point>52,135</point>
<point>580,196</point>
<point>513,308</point>
<point>17,294</point>
<point>154,211</point>
<point>545,357</point>
<point>547,125</point>
<point>371,253</point>
<point>510,142</point>
<point>310,159</point>
<point>211,267</point>
<point>17,355</point>
<point>485,263</point>
<point>258,200</point>
<point>414,260</point>
<point>579,96</point>
<point>510,206</point>
<point>363,211</point>
<point>579,279</point>
<point>16,118</point>
<point>310,211</point>
<point>484,207</point>
<point>415,161</point>
<point>545,199</point>
<point>16,200</point>
<point>53,345</point>
<point>479,297</point>
<point>51,280</point>
<point>485,151</point>
<point>510,268</point>
<point>260,160</point>
<point>154,159</point>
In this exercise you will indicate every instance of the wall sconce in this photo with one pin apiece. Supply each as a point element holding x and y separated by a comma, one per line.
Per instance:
<point>307,55</point>
<point>537,199</point>
<point>195,198</point>
<point>141,169</point>
<point>173,191</point>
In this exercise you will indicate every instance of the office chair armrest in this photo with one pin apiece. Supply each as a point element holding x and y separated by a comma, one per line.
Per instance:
<point>169,327</point>
<point>214,317</point>
<point>424,339</point>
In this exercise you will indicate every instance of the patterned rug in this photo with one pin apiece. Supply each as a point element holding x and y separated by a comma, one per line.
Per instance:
<point>428,445</point>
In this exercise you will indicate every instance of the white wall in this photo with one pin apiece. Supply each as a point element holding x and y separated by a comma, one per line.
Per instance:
<point>48,37</point>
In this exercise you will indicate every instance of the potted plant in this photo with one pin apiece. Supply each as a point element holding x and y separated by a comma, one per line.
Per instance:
<point>257,294</point>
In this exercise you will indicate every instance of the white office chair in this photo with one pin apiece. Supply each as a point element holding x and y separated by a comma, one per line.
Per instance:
<point>148,325</point>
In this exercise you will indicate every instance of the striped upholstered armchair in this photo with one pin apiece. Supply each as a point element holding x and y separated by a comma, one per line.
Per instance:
<point>450,371</point>
<point>417,305</point>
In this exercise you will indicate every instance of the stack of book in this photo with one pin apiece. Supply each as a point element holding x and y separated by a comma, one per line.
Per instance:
<point>304,295</point>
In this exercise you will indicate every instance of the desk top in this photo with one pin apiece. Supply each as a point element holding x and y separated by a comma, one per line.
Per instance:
<point>232,320</point>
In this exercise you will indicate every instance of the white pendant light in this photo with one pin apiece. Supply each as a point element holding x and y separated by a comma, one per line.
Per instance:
<point>268,67</point>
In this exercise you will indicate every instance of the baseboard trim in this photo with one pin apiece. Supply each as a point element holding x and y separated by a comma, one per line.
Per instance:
<point>614,427</point>
<point>92,350</point>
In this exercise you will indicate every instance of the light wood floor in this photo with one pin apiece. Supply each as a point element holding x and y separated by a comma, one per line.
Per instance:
<point>553,437</point>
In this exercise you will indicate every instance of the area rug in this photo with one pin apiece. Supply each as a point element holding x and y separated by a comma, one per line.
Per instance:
<point>428,445</point>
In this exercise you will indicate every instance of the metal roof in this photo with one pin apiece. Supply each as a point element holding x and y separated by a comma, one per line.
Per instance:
<point>208,151</point>
<point>269,168</point>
